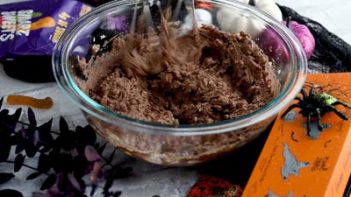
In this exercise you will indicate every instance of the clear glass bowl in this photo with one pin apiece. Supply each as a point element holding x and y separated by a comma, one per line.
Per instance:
<point>185,144</point>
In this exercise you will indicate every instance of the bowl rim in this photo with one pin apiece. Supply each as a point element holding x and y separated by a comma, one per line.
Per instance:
<point>89,106</point>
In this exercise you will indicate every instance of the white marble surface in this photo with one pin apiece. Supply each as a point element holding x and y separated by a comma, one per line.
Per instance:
<point>150,179</point>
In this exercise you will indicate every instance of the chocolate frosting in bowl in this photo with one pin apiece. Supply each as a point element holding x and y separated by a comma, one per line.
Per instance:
<point>201,77</point>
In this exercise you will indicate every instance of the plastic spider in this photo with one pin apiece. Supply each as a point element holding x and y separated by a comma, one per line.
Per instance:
<point>314,105</point>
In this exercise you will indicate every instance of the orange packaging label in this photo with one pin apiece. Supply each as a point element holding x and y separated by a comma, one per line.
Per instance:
<point>292,163</point>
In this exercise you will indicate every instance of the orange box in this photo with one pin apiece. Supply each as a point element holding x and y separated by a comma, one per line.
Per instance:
<point>295,164</point>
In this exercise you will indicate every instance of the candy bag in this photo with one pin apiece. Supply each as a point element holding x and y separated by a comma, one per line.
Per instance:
<point>95,2</point>
<point>30,30</point>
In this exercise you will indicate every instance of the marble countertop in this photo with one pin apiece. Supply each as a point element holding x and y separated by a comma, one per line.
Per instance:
<point>148,179</point>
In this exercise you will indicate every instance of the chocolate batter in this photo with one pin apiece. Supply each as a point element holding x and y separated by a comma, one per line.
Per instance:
<point>202,77</point>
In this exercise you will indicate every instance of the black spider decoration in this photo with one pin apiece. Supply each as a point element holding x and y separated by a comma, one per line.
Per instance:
<point>314,105</point>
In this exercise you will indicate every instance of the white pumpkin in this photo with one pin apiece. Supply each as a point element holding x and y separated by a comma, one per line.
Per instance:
<point>269,7</point>
<point>203,17</point>
<point>233,20</point>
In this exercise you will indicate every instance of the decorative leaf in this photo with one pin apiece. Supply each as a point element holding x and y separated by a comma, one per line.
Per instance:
<point>97,145</point>
<point>18,162</point>
<point>46,127</point>
<point>110,158</point>
<point>15,116</point>
<point>35,139</point>
<point>31,117</point>
<point>10,192</point>
<point>101,149</point>
<point>44,163</point>
<point>45,136</point>
<point>5,177</point>
<point>62,162</point>
<point>80,165</point>
<point>46,148</point>
<point>66,140</point>
<point>28,132</point>
<point>112,193</point>
<point>116,194</point>
<point>90,134</point>
<point>50,181</point>
<point>12,120</point>
<point>108,184</point>
<point>93,189</point>
<point>4,113</point>
<point>96,172</point>
<point>5,151</point>
<point>23,132</point>
<point>20,146</point>
<point>85,136</point>
<point>70,154</point>
<point>91,153</point>
<point>63,126</point>
<point>77,184</point>
<point>74,182</point>
<point>30,149</point>
<point>33,175</point>
<point>14,139</point>
<point>61,181</point>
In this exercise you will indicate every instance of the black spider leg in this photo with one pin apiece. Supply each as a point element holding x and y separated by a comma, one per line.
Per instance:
<point>289,109</point>
<point>342,103</point>
<point>339,113</point>
<point>308,122</point>
<point>319,119</point>
<point>304,93</point>
<point>299,99</point>
<point>304,96</point>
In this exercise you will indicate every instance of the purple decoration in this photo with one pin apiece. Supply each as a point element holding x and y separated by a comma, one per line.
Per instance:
<point>274,46</point>
<point>304,35</point>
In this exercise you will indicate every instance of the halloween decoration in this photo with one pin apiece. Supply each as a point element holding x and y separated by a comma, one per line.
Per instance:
<point>45,103</point>
<point>269,7</point>
<point>291,160</point>
<point>71,162</point>
<point>274,45</point>
<point>202,16</point>
<point>236,21</point>
<point>314,105</point>
<point>214,187</point>
<point>303,34</point>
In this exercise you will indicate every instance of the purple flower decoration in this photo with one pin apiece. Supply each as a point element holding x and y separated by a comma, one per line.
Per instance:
<point>118,23</point>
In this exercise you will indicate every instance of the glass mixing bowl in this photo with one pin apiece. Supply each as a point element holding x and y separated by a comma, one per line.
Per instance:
<point>181,145</point>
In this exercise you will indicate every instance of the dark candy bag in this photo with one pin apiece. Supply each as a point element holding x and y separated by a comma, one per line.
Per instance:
<point>29,32</point>
<point>95,2</point>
